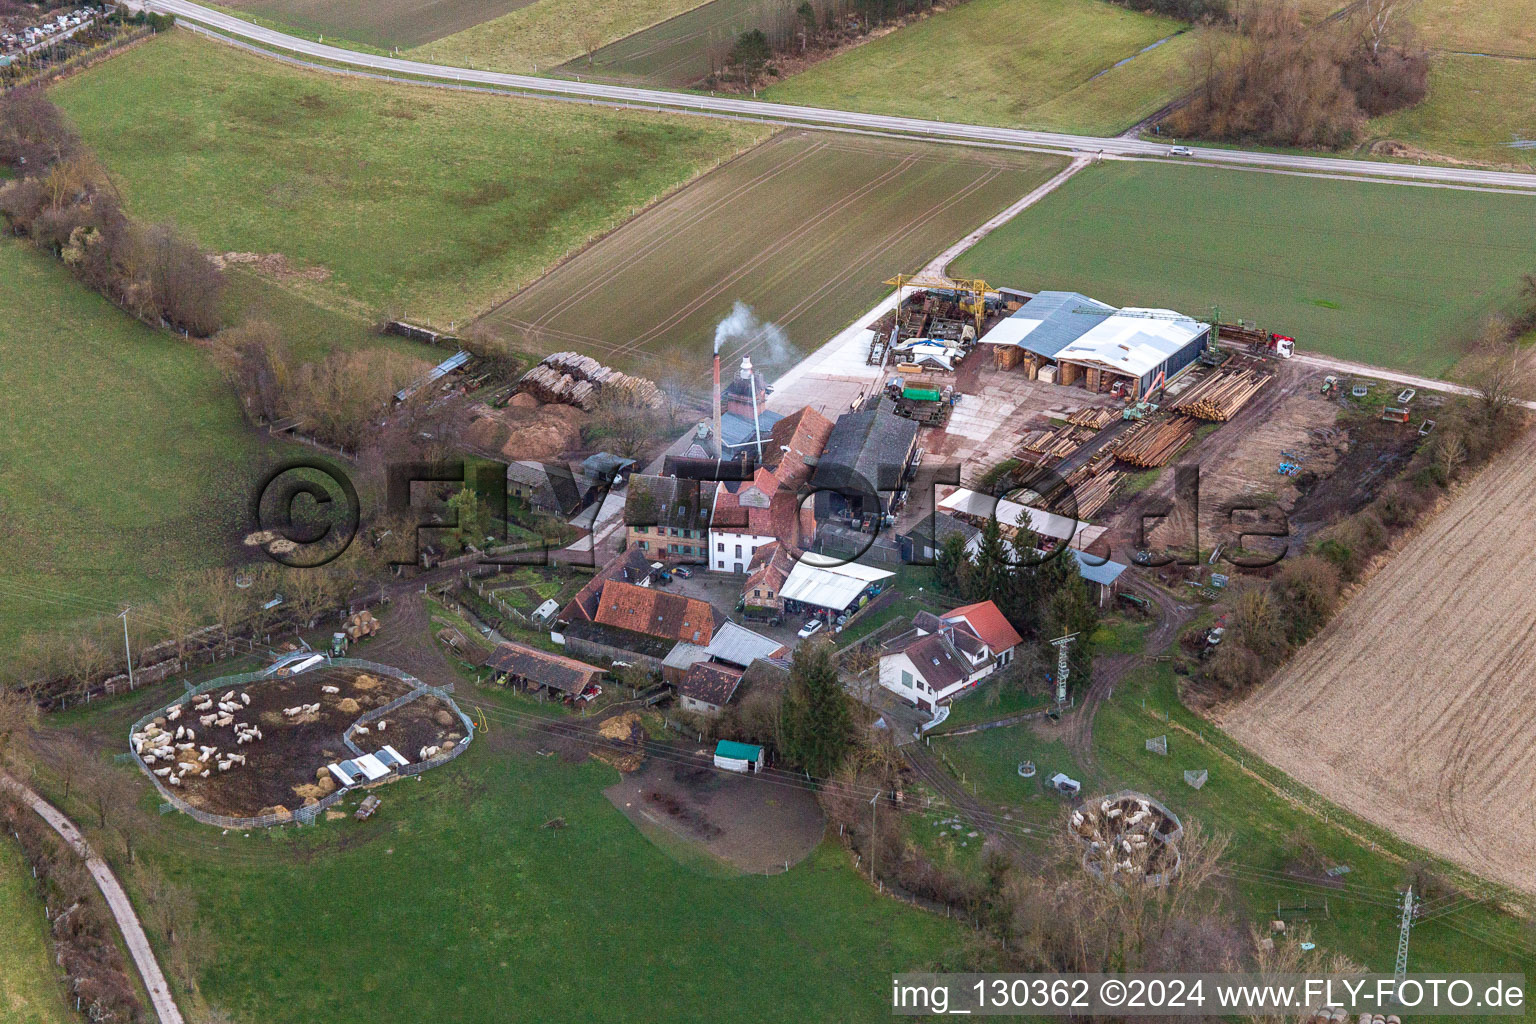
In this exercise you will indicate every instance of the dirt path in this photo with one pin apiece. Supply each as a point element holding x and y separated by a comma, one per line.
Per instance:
<point>117,900</point>
<point>1108,671</point>
<point>929,770</point>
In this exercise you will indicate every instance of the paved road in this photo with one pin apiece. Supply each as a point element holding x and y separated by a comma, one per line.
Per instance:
<point>729,106</point>
<point>117,901</point>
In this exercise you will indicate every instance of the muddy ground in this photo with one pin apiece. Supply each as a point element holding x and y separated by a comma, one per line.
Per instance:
<point>753,824</point>
<point>283,767</point>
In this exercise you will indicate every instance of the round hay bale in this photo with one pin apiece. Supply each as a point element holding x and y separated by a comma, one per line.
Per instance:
<point>442,717</point>
<point>327,784</point>
<point>276,810</point>
<point>364,681</point>
<point>348,706</point>
<point>322,773</point>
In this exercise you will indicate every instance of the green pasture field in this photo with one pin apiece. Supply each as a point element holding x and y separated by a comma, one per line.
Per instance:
<point>547,33</point>
<point>489,915</point>
<point>126,459</point>
<point>676,52</point>
<point>804,229</point>
<point>29,993</point>
<point>1476,107</point>
<point>1477,26</point>
<point>1048,64</point>
<point>1389,275</point>
<point>383,197</point>
<point>379,23</point>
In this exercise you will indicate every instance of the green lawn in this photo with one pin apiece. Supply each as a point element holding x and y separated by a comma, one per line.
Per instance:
<point>1476,107</point>
<point>29,993</point>
<point>675,53</point>
<point>1391,275</point>
<point>548,33</point>
<point>382,196</point>
<point>1483,26</point>
<point>1047,64</point>
<point>126,460</point>
<point>472,911</point>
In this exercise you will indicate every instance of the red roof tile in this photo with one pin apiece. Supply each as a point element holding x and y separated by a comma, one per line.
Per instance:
<point>987,622</point>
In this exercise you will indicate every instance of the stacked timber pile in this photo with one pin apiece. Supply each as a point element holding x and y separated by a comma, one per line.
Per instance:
<point>1092,418</point>
<point>1057,443</point>
<point>1087,490</point>
<point>1222,394</point>
<point>1154,442</point>
<point>571,378</point>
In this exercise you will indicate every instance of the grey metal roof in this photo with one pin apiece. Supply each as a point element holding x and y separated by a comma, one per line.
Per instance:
<point>1049,322</point>
<point>739,645</point>
<point>684,655</point>
<point>867,449</point>
<point>737,430</point>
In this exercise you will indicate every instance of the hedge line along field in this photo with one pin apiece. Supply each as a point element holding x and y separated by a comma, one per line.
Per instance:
<point>127,461</point>
<point>494,916</point>
<point>547,33</point>
<point>29,993</point>
<point>1063,65</point>
<point>1388,275</point>
<point>378,196</point>
<point>378,23</point>
<point>675,53</point>
<point>1412,707</point>
<point>804,229</point>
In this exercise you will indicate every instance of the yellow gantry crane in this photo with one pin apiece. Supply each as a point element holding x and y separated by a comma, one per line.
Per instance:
<point>976,288</point>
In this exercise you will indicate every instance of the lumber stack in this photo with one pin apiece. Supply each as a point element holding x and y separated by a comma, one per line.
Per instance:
<point>1092,418</point>
<point>574,379</point>
<point>1154,442</point>
<point>1090,489</point>
<point>1057,443</point>
<point>1222,394</point>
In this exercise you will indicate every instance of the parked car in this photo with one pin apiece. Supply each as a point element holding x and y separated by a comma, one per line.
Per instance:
<point>683,571</point>
<point>810,629</point>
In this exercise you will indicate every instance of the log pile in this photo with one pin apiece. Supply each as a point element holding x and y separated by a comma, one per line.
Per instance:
<point>570,378</point>
<point>1090,487</point>
<point>1092,418</point>
<point>1058,443</point>
<point>1153,442</point>
<point>1222,394</point>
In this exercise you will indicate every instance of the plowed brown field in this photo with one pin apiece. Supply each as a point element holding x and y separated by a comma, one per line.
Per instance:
<point>1414,707</point>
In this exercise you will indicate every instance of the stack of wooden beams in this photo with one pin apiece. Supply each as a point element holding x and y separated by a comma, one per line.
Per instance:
<point>1222,394</point>
<point>1090,489</point>
<point>1058,443</point>
<point>1154,442</point>
<point>1092,418</point>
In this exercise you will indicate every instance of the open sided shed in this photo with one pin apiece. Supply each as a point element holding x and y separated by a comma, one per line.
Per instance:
<point>1147,347</point>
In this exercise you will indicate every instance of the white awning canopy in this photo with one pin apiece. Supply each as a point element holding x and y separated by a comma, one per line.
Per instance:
<point>1077,533</point>
<point>834,587</point>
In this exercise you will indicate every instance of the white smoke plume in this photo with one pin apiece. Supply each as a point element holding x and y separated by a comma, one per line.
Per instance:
<point>766,342</point>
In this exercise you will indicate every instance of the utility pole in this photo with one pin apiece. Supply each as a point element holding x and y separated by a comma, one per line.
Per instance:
<point>1401,970</point>
<point>1063,647</point>
<point>126,648</point>
<point>874,847</point>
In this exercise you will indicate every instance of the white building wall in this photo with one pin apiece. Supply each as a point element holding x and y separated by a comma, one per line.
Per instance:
<point>727,560</point>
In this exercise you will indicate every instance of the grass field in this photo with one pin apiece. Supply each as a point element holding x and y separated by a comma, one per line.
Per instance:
<point>126,457</point>
<point>28,992</point>
<point>488,910</point>
<point>423,201</point>
<point>381,23</point>
<point>547,33</point>
<point>1047,64</point>
<point>1477,26</point>
<point>804,229</point>
<point>1476,107</point>
<point>1389,275</point>
<point>675,53</point>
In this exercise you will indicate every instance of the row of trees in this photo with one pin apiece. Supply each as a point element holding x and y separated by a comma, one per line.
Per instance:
<point>63,201</point>
<point>1281,82</point>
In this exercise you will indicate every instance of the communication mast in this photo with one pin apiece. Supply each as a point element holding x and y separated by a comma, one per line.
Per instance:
<point>1063,647</point>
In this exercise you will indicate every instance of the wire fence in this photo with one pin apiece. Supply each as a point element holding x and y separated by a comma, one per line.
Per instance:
<point>306,815</point>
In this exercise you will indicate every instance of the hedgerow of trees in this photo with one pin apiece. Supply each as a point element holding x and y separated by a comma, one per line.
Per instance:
<point>1280,82</point>
<point>63,202</point>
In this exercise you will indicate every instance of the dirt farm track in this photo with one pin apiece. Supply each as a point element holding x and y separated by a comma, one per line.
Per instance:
<point>1415,708</point>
